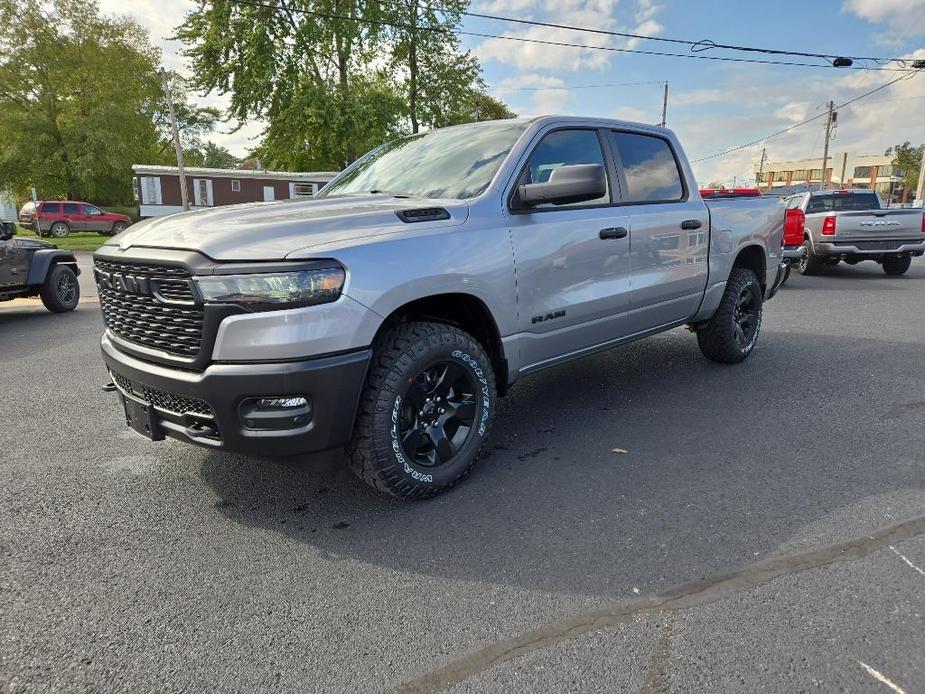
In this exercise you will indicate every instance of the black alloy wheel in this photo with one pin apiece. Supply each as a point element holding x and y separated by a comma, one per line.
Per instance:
<point>438,414</point>
<point>66,287</point>
<point>745,316</point>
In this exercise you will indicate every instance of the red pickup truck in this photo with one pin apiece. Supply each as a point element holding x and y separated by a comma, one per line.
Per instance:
<point>61,217</point>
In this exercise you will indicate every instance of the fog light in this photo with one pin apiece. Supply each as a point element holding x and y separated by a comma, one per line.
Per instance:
<point>281,403</point>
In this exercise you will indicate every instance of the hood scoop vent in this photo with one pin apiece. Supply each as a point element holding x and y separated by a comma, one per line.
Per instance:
<point>423,214</point>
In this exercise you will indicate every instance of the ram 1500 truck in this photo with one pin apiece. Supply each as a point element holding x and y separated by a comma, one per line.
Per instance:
<point>853,225</point>
<point>388,314</point>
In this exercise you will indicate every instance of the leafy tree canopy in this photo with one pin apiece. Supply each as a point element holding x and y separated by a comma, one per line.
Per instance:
<point>909,161</point>
<point>335,78</point>
<point>81,100</point>
<point>212,156</point>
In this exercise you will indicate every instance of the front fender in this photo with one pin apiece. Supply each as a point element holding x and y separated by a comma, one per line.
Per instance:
<point>42,261</point>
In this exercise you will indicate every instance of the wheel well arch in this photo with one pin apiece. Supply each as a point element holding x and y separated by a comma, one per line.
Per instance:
<point>753,258</point>
<point>43,262</point>
<point>464,311</point>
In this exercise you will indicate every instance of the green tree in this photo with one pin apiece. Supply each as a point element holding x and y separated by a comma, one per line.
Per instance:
<point>212,156</point>
<point>436,78</point>
<point>335,78</point>
<point>909,160</point>
<point>80,101</point>
<point>477,106</point>
<point>298,70</point>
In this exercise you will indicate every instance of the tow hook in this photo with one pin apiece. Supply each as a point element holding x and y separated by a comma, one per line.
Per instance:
<point>109,387</point>
<point>202,431</point>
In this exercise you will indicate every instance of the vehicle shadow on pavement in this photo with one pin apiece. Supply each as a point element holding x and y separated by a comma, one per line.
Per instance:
<point>631,470</point>
<point>860,275</point>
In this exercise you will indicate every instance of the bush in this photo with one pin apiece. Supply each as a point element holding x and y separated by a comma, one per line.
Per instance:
<point>132,212</point>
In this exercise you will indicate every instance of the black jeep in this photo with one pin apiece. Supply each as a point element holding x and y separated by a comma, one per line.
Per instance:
<point>29,267</point>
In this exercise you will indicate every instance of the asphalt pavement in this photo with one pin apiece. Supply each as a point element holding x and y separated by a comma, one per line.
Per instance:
<point>644,521</point>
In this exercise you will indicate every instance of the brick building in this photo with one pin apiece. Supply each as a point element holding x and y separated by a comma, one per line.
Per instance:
<point>157,188</point>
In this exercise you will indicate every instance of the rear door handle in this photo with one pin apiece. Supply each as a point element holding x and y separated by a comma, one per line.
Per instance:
<point>613,233</point>
<point>688,224</point>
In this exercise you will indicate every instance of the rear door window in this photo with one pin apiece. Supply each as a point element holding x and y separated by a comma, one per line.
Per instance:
<point>71,208</point>
<point>650,167</point>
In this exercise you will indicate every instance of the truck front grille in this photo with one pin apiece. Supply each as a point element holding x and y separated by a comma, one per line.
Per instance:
<point>167,402</point>
<point>150,305</point>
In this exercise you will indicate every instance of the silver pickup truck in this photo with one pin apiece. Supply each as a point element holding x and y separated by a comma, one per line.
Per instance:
<point>853,225</point>
<point>389,313</point>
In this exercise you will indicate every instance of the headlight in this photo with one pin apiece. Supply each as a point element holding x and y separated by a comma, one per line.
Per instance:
<point>275,290</point>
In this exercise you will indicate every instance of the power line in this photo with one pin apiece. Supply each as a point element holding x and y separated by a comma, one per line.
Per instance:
<point>548,42</point>
<point>568,87</point>
<point>700,45</point>
<point>802,123</point>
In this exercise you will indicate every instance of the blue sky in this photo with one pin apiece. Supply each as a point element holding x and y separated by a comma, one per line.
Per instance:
<point>712,105</point>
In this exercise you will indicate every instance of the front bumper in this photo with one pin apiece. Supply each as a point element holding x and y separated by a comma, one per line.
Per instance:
<point>211,400</point>
<point>909,247</point>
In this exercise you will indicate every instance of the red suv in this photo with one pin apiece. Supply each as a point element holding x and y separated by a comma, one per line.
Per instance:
<point>61,217</point>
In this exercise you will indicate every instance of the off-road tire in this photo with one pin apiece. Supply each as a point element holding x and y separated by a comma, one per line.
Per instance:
<point>896,266</point>
<point>810,263</point>
<point>61,291</point>
<point>717,339</point>
<point>59,230</point>
<point>399,356</point>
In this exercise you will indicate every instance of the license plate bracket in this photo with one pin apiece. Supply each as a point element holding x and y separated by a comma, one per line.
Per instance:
<point>141,418</point>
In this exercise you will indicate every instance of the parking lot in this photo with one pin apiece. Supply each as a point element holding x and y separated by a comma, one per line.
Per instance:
<point>645,520</point>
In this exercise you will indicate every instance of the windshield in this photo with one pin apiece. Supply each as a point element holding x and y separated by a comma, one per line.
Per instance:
<point>456,163</point>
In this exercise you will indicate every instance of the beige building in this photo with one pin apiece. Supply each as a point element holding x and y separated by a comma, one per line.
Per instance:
<point>844,170</point>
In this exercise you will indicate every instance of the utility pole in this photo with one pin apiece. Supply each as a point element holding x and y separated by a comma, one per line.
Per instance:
<point>665,106</point>
<point>764,154</point>
<point>184,196</point>
<point>828,134</point>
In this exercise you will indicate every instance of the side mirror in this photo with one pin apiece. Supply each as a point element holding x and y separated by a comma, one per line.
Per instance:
<point>7,230</point>
<point>567,184</point>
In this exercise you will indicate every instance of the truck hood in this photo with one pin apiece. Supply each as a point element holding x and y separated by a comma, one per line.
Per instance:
<point>273,230</point>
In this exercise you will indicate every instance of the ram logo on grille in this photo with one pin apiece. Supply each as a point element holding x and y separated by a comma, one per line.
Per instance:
<point>125,283</point>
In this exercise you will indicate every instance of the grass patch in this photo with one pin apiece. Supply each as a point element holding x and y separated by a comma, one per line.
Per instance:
<point>72,242</point>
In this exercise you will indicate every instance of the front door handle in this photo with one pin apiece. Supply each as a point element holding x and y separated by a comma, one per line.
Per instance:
<point>613,233</point>
<point>689,224</point>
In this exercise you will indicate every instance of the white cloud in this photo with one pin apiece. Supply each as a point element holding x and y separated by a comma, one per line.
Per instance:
<point>630,113</point>
<point>648,28</point>
<point>906,17</point>
<point>647,10</point>
<point>547,94</point>
<point>869,126</point>
<point>599,14</point>
<point>794,111</point>
<point>697,97</point>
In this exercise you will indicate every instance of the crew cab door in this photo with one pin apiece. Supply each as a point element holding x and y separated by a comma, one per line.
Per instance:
<point>669,231</point>
<point>14,264</point>
<point>572,260</point>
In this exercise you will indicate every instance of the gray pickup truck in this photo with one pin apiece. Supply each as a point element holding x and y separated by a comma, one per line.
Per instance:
<point>389,313</point>
<point>853,226</point>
